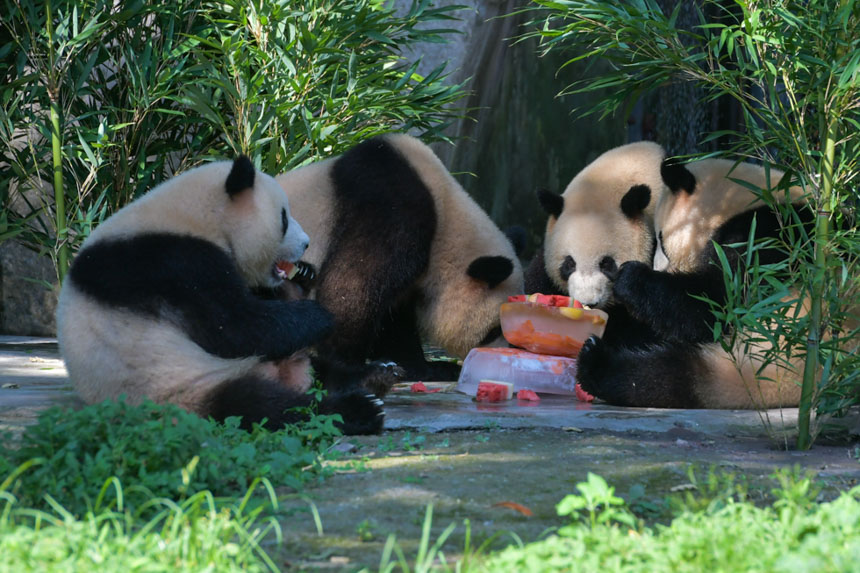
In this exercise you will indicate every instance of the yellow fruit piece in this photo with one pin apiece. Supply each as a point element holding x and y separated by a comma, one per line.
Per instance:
<point>570,312</point>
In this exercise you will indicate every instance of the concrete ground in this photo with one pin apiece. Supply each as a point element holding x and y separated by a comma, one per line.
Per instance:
<point>502,467</point>
<point>33,377</point>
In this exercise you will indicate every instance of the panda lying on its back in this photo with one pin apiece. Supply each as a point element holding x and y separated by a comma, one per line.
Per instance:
<point>682,367</point>
<point>158,304</point>
<point>405,256</point>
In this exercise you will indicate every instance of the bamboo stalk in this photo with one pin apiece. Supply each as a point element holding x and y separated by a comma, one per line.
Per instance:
<point>57,152</point>
<point>819,277</point>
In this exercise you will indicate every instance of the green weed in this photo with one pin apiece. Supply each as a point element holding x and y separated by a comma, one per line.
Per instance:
<point>726,534</point>
<point>156,451</point>
<point>195,534</point>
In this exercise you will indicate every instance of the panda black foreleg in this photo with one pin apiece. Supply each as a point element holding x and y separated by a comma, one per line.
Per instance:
<point>664,301</point>
<point>255,399</point>
<point>655,375</point>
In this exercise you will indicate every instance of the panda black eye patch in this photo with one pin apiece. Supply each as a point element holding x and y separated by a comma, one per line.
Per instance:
<point>608,267</point>
<point>284,221</point>
<point>567,268</point>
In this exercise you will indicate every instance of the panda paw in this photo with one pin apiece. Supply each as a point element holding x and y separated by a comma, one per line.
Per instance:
<point>591,364</point>
<point>381,376</point>
<point>362,413</point>
<point>631,282</point>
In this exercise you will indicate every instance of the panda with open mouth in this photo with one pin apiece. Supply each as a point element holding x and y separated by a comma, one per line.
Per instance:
<point>160,303</point>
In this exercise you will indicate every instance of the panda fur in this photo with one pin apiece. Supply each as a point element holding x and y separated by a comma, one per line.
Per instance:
<point>682,367</point>
<point>405,256</point>
<point>158,304</point>
<point>603,219</point>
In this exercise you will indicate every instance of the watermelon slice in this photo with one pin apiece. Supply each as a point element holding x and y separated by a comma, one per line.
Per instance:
<point>494,391</point>
<point>529,395</point>
<point>286,270</point>
<point>421,388</point>
<point>546,299</point>
<point>582,395</point>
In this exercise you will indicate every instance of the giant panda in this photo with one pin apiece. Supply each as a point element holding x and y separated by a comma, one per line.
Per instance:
<point>158,304</point>
<point>603,219</point>
<point>404,256</point>
<point>679,365</point>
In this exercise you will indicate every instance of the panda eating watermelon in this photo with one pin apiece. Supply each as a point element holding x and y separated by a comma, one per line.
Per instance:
<point>681,366</point>
<point>658,348</point>
<point>158,304</point>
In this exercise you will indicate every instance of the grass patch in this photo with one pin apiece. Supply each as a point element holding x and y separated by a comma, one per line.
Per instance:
<point>198,534</point>
<point>114,487</point>
<point>71,458</point>
<point>793,533</point>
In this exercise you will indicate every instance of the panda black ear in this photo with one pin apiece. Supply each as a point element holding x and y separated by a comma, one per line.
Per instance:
<point>518,237</point>
<point>491,270</point>
<point>676,176</point>
<point>241,176</point>
<point>552,203</point>
<point>635,201</point>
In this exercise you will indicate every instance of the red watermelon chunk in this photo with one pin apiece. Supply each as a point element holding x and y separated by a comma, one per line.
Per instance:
<point>529,395</point>
<point>546,299</point>
<point>421,388</point>
<point>581,394</point>
<point>494,391</point>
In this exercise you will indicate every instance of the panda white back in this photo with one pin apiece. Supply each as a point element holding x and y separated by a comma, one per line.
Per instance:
<point>405,255</point>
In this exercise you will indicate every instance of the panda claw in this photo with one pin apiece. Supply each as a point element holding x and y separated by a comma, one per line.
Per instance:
<point>378,402</point>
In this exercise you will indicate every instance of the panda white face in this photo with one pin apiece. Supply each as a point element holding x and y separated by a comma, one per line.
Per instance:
<point>263,232</point>
<point>598,224</point>
<point>582,259</point>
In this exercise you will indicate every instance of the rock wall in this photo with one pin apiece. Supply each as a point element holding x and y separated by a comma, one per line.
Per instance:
<point>518,135</point>
<point>28,292</point>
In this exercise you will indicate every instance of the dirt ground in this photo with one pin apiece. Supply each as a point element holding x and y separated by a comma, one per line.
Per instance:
<point>508,482</point>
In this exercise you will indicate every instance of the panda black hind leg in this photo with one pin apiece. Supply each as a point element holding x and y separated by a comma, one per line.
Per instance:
<point>400,342</point>
<point>338,376</point>
<point>653,375</point>
<point>256,399</point>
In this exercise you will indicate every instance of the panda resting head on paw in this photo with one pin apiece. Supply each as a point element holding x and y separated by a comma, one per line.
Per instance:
<point>679,365</point>
<point>602,220</point>
<point>158,302</point>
